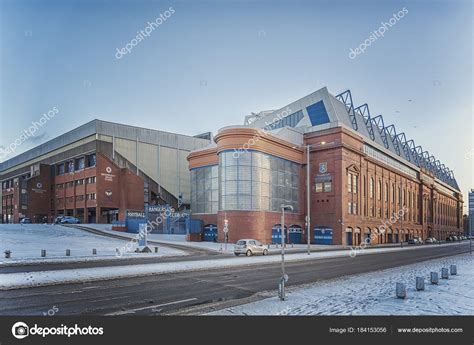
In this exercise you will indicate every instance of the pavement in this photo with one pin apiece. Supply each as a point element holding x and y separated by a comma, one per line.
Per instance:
<point>196,292</point>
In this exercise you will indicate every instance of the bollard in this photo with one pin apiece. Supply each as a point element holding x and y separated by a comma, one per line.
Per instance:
<point>444,273</point>
<point>420,283</point>
<point>7,254</point>
<point>434,277</point>
<point>401,290</point>
<point>43,253</point>
<point>453,270</point>
<point>156,249</point>
<point>68,252</point>
<point>94,251</point>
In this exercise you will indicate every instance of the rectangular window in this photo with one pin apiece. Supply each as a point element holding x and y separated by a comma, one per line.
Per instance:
<point>70,166</point>
<point>80,162</point>
<point>319,187</point>
<point>91,160</point>
<point>327,187</point>
<point>60,170</point>
<point>355,183</point>
<point>349,183</point>
<point>349,207</point>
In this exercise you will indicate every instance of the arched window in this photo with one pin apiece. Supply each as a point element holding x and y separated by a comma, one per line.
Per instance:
<point>371,187</point>
<point>379,190</point>
<point>386,191</point>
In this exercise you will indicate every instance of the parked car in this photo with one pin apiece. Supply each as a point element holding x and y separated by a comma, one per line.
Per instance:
<point>414,241</point>
<point>58,219</point>
<point>429,240</point>
<point>249,247</point>
<point>70,220</point>
<point>455,238</point>
<point>25,221</point>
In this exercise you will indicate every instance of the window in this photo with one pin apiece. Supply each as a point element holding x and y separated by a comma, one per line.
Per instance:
<point>349,207</point>
<point>79,197</point>
<point>80,162</point>
<point>371,211</point>
<point>379,190</point>
<point>79,182</point>
<point>371,188</point>
<point>386,192</point>
<point>91,160</point>
<point>327,187</point>
<point>258,181</point>
<point>60,186</point>
<point>70,166</point>
<point>349,183</point>
<point>205,189</point>
<point>60,169</point>
<point>393,193</point>
<point>399,195</point>
<point>379,212</point>
<point>90,180</point>
<point>91,196</point>
<point>290,120</point>
<point>319,187</point>
<point>355,183</point>
<point>365,186</point>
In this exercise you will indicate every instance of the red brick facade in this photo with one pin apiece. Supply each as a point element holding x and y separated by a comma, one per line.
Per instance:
<point>99,193</point>
<point>368,207</point>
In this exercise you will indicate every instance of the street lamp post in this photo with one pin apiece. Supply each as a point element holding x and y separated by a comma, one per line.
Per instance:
<point>284,277</point>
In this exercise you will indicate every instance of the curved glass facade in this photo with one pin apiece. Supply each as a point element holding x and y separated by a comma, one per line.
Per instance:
<point>256,181</point>
<point>204,189</point>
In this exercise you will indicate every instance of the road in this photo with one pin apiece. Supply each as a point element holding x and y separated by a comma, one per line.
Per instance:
<point>171,293</point>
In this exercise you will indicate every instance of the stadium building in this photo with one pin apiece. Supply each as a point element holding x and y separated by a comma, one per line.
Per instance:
<point>96,173</point>
<point>367,181</point>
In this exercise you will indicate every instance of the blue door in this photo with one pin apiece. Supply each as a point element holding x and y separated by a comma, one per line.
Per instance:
<point>210,233</point>
<point>276,234</point>
<point>322,236</point>
<point>295,235</point>
<point>349,238</point>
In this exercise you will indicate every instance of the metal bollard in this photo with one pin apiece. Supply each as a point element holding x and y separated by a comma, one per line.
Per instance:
<point>434,277</point>
<point>444,273</point>
<point>94,251</point>
<point>420,283</point>
<point>68,252</point>
<point>156,249</point>
<point>8,254</point>
<point>401,290</point>
<point>453,270</point>
<point>43,253</point>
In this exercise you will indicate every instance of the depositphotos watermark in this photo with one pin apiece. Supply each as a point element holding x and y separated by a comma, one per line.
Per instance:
<point>144,33</point>
<point>27,133</point>
<point>376,34</point>
<point>261,133</point>
<point>21,330</point>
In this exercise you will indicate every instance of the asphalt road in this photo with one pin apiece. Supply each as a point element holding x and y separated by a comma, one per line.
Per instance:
<point>171,293</point>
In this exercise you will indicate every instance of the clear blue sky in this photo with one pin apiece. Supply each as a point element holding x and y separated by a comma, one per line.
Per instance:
<point>212,62</point>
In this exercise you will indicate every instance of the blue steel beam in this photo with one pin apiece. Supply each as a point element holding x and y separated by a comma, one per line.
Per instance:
<point>363,110</point>
<point>346,98</point>
<point>378,121</point>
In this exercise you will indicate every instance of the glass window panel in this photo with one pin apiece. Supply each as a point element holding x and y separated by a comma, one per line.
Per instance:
<point>245,158</point>
<point>244,187</point>
<point>265,175</point>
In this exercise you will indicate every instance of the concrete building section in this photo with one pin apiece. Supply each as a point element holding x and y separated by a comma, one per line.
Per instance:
<point>367,182</point>
<point>97,171</point>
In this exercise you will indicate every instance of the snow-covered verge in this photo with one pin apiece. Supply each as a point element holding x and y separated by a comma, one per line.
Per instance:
<point>374,293</point>
<point>25,241</point>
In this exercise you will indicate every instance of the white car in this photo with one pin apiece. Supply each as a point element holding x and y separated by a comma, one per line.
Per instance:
<point>249,247</point>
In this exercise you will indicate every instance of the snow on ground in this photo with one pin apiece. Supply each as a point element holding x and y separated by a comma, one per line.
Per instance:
<point>374,293</point>
<point>27,240</point>
<point>43,278</point>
